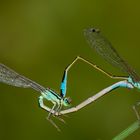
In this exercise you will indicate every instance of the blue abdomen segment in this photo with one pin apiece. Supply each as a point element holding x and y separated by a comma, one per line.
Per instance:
<point>63,87</point>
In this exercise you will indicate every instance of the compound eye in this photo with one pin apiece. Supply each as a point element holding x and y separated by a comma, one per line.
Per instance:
<point>68,100</point>
<point>95,30</point>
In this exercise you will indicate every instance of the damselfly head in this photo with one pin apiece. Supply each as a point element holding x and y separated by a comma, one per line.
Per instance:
<point>67,101</point>
<point>135,84</point>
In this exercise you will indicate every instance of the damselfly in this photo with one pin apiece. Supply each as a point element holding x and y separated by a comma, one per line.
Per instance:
<point>103,47</point>
<point>11,77</point>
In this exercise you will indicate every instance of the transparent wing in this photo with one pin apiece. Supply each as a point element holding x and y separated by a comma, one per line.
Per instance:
<point>104,48</point>
<point>10,77</point>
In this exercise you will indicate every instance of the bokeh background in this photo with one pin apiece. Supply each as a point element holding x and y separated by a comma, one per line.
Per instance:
<point>39,39</point>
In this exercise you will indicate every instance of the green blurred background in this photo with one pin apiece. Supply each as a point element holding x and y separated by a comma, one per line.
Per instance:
<point>39,39</point>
